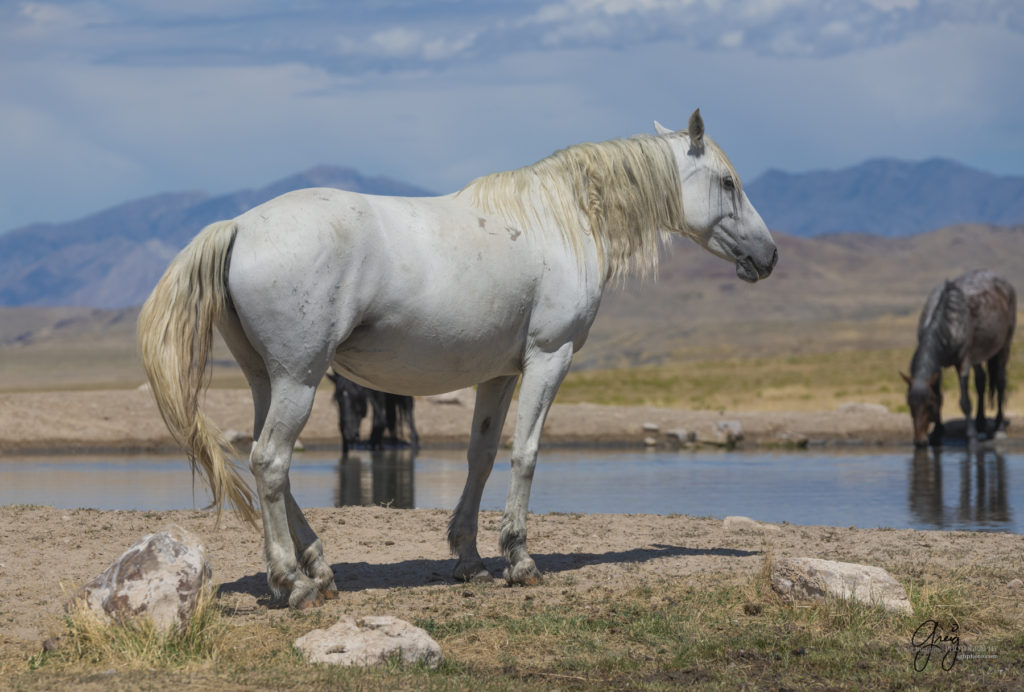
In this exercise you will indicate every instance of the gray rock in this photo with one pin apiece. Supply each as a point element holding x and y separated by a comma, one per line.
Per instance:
<point>161,577</point>
<point>651,427</point>
<point>680,436</point>
<point>730,428</point>
<point>806,578</point>
<point>369,640</point>
<point>793,439</point>
<point>1012,584</point>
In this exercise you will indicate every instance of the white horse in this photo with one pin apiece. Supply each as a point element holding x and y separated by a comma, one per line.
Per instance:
<point>417,296</point>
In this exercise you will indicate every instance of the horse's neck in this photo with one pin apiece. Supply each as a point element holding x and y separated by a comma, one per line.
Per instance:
<point>932,354</point>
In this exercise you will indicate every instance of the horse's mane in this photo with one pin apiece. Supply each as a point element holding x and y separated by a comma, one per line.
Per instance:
<point>943,324</point>
<point>625,193</point>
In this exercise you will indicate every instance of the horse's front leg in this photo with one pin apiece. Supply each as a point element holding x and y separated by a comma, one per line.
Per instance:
<point>965,403</point>
<point>979,388</point>
<point>997,383</point>
<point>492,401</point>
<point>541,378</point>
<point>290,406</point>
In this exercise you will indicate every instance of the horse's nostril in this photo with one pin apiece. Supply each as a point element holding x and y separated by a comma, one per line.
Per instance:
<point>775,257</point>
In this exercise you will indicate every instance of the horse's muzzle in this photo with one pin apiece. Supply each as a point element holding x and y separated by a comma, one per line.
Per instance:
<point>750,269</point>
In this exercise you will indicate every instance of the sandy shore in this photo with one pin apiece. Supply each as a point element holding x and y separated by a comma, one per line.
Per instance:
<point>128,419</point>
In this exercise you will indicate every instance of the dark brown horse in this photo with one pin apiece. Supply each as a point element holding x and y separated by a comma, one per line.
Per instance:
<point>966,323</point>
<point>389,410</point>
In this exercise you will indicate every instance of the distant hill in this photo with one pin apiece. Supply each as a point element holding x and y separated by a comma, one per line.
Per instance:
<point>829,293</point>
<point>113,258</point>
<point>886,197</point>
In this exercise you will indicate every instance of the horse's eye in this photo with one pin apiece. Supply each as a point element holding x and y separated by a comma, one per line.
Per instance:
<point>728,183</point>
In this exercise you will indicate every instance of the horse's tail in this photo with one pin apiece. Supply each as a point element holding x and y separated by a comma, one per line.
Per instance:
<point>175,338</point>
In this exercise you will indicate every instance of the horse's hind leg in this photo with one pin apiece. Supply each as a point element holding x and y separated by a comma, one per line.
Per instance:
<point>541,378</point>
<point>492,401</point>
<point>307,547</point>
<point>979,388</point>
<point>291,548</point>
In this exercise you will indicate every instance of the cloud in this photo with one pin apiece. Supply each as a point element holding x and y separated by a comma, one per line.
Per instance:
<point>110,99</point>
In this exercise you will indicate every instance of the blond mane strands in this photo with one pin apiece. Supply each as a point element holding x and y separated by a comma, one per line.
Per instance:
<point>623,192</point>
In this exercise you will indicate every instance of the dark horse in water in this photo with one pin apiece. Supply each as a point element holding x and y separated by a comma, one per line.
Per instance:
<point>966,323</point>
<point>389,410</point>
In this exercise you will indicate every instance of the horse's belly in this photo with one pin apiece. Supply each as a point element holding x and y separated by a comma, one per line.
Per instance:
<point>423,363</point>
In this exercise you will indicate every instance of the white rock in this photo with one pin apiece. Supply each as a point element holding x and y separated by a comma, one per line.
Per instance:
<point>460,397</point>
<point>161,577</point>
<point>806,578</point>
<point>369,640</point>
<point>741,524</point>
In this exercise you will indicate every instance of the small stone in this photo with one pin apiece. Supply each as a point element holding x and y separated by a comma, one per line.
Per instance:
<point>369,640</point>
<point>650,442</point>
<point>1015,584</point>
<point>730,428</point>
<point>651,427</point>
<point>681,436</point>
<point>740,524</point>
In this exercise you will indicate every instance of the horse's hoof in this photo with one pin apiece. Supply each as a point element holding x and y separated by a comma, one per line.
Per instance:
<point>523,574</point>
<point>303,599</point>
<point>471,573</point>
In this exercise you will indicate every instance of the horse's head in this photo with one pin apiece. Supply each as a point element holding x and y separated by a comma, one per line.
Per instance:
<point>924,397</point>
<point>351,400</point>
<point>717,213</point>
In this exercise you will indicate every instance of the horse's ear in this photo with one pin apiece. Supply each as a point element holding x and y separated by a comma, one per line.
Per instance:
<point>696,131</point>
<point>906,378</point>
<point>661,129</point>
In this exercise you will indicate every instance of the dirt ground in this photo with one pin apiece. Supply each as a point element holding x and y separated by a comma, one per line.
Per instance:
<point>396,561</point>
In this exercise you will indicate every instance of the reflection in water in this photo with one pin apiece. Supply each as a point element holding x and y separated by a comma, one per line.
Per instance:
<point>982,493</point>
<point>383,477</point>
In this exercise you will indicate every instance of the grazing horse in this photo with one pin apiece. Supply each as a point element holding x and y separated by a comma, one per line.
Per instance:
<point>496,282</point>
<point>965,324</point>
<point>389,410</point>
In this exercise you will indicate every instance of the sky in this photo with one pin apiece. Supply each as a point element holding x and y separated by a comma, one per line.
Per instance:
<point>103,101</point>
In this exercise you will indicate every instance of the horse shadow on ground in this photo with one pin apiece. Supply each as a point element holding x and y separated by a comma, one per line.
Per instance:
<point>358,576</point>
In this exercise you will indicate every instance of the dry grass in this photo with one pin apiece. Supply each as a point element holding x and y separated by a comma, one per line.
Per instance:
<point>722,634</point>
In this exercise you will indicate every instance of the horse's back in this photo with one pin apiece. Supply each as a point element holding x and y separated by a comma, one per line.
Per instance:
<point>408,295</point>
<point>990,313</point>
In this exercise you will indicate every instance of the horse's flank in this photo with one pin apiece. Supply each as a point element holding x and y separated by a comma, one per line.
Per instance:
<point>624,193</point>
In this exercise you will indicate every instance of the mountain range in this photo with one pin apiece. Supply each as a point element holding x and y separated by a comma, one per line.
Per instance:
<point>113,258</point>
